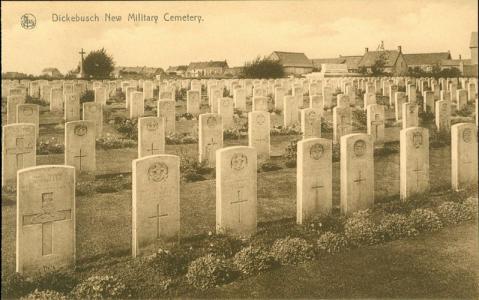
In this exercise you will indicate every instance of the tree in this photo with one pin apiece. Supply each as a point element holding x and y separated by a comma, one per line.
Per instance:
<point>98,64</point>
<point>263,68</point>
<point>378,67</point>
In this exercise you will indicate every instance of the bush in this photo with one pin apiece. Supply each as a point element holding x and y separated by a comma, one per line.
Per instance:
<point>396,226</point>
<point>16,285</point>
<point>169,263</point>
<point>332,242</point>
<point>326,127</point>
<point>466,111</point>
<point>262,68</point>
<point>50,146</point>
<point>452,212</point>
<point>470,207</point>
<point>112,142</point>
<point>99,287</point>
<point>127,127</point>
<point>359,119</point>
<point>191,169</point>
<point>288,130</point>
<point>253,259</point>
<point>292,251</point>
<point>222,245</point>
<point>87,96</point>
<point>426,117</point>
<point>425,220</point>
<point>180,139</point>
<point>56,280</point>
<point>360,229</point>
<point>44,295</point>
<point>290,163</point>
<point>208,271</point>
<point>268,166</point>
<point>291,151</point>
<point>30,100</point>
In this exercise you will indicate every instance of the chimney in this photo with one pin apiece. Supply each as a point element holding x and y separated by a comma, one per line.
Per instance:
<point>399,49</point>
<point>366,50</point>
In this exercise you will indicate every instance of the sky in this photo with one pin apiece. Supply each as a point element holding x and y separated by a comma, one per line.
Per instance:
<point>231,30</point>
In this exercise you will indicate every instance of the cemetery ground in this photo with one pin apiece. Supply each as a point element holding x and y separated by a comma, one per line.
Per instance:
<point>439,264</point>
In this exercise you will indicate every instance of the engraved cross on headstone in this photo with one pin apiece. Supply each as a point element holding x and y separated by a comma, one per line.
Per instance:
<point>158,217</point>
<point>152,149</point>
<point>239,201</point>
<point>46,219</point>
<point>80,156</point>
<point>417,170</point>
<point>359,181</point>
<point>316,188</point>
<point>19,150</point>
<point>376,123</point>
<point>209,147</point>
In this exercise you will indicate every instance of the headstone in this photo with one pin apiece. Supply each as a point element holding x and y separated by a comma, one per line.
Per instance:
<point>375,122</point>
<point>316,102</point>
<point>342,100</point>
<point>29,113</point>
<point>463,155</point>
<point>93,111</point>
<point>461,98</point>
<point>193,100</point>
<point>80,146</point>
<point>216,94</point>
<point>236,190</point>
<point>411,96</point>
<point>290,111</point>
<point>151,136</point>
<point>428,101</point>
<point>400,98</point>
<point>357,172</point>
<point>369,98</point>
<point>327,97</point>
<point>45,219</point>
<point>392,94</point>
<point>279,94</point>
<point>166,110</point>
<point>414,161</point>
<point>210,137</point>
<point>155,201</point>
<point>137,105</point>
<point>12,102</point>
<point>239,98</point>
<point>443,115</point>
<point>148,89</point>
<point>314,192</point>
<point>226,110</point>
<point>100,95</point>
<point>259,133</point>
<point>260,104</point>
<point>18,150</point>
<point>72,107</point>
<point>342,124</point>
<point>410,112</point>
<point>311,123</point>
<point>471,91</point>
<point>56,100</point>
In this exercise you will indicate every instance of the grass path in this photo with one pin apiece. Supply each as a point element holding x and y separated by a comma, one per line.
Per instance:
<point>439,265</point>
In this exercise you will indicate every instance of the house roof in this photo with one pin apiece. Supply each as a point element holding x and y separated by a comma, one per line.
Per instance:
<point>370,57</point>
<point>455,62</point>
<point>139,70</point>
<point>473,43</point>
<point>426,58</point>
<point>293,59</point>
<point>352,61</point>
<point>208,64</point>
<point>176,68</point>
<point>317,62</point>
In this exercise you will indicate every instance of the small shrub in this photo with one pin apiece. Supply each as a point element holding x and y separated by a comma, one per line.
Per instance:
<point>396,226</point>
<point>290,163</point>
<point>112,142</point>
<point>425,220</point>
<point>268,166</point>
<point>466,111</point>
<point>100,287</point>
<point>326,127</point>
<point>186,116</point>
<point>292,251</point>
<point>180,139</point>
<point>56,280</point>
<point>84,188</point>
<point>50,146</point>
<point>426,117</point>
<point>127,127</point>
<point>359,119</point>
<point>169,263</point>
<point>222,245</point>
<point>16,285</point>
<point>470,207</point>
<point>253,259</point>
<point>208,271</point>
<point>332,242</point>
<point>87,96</point>
<point>31,100</point>
<point>291,151</point>
<point>44,295</point>
<point>288,130</point>
<point>452,212</point>
<point>191,169</point>
<point>360,229</point>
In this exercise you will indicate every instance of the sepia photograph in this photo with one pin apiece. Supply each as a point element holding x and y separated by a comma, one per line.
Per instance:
<point>239,149</point>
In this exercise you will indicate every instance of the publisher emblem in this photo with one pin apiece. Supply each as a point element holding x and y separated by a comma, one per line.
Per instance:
<point>28,21</point>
